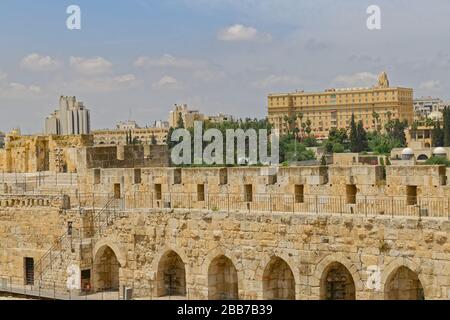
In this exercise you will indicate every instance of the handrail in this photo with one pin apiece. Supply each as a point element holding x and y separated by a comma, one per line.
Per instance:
<point>39,264</point>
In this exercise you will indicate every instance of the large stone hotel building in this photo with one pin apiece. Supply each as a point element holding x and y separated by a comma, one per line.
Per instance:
<point>334,107</point>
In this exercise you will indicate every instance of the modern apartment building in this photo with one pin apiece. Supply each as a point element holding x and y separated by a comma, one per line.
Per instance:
<point>333,108</point>
<point>72,118</point>
<point>190,116</point>
<point>425,107</point>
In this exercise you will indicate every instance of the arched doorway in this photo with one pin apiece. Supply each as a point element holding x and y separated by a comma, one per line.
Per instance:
<point>106,270</point>
<point>222,280</point>
<point>171,276</point>
<point>278,281</point>
<point>337,283</point>
<point>403,284</point>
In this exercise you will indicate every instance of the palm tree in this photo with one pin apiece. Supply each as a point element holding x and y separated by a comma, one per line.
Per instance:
<point>300,116</point>
<point>376,118</point>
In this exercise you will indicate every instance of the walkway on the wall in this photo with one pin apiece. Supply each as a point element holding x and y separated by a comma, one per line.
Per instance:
<point>40,293</point>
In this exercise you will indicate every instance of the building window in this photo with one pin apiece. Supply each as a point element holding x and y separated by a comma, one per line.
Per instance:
<point>200,192</point>
<point>411,194</point>
<point>117,191</point>
<point>223,176</point>
<point>248,189</point>
<point>299,195</point>
<point>97,176</point>
<point>158,191</point>
<point>137,176</point>
<point>69,228</point>
<point>29,271</point>
<point>177,176</point>
<point>351,193</point>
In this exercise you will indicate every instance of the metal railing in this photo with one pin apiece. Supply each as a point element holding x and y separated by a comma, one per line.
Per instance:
<point>285,203</point>
<point>30,182</point>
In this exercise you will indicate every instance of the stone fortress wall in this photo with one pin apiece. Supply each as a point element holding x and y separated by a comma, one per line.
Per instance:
<point>80,218</point>
<point>336,232</point>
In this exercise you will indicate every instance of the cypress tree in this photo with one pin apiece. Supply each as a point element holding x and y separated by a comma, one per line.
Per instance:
<point>437,135</point>
<point>354,141</point>
<point>446,127</point>
<point>362,137</point>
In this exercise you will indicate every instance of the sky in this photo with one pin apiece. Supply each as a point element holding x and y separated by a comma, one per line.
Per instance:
<point>135,59</point>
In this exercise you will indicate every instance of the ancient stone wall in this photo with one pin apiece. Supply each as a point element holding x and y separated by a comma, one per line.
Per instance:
<point>265,249</point>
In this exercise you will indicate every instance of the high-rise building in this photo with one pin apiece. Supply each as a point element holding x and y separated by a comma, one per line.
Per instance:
<point>72,118</point>
<point>333,108</point>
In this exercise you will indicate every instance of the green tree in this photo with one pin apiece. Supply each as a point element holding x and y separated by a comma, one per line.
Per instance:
<point>354,141</point>
<point>446,115</point>
<point>396,129</point>
<point>362,137</point>
<point>376,119</point>
<point>438,161</point>
<point>437,135</point>
<point>180,122</point>
<point>358,136</point>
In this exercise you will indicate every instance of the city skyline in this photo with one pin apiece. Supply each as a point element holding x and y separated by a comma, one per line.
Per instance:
<point>216,56</point>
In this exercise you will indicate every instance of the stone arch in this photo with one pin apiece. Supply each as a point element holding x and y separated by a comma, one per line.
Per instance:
<point>219,251</point>
<point>335,265</point>
<point>171,275</point>
<point>222,279</point>
<point>106,269</point>
<point>118,250</point>
<point>402,280</point>
<point>337,283</point>
<point>278,280</point>
<point>422,157</point>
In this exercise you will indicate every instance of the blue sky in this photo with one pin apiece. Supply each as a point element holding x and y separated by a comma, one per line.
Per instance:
<point>215,55</point>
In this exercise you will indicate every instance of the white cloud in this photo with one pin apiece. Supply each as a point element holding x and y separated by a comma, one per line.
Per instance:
<point>102,84</point>
<point>18,90</point>
<point>165,82</point>
<point>11,89</point>
<point>239,32</point>
<point>37,62</point>
<point>170,61</point>
<point>361,79</point>
<point>126,78</point>
<point>430,85</point>
<point>279,80</point>
<point>91,66</point>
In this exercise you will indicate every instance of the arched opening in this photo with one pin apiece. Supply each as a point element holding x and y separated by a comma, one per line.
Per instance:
<point>222,280</point>
<point>278,281</point>
<point>337,283</point>
<point>422,157</point>
<point>404,284</point>
<point>427,145</point>
<point>171,276</point>
<point>106,270</point>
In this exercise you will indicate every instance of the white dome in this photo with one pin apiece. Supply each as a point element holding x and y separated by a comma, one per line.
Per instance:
<point>439,150</point>
<point>407,152</point>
